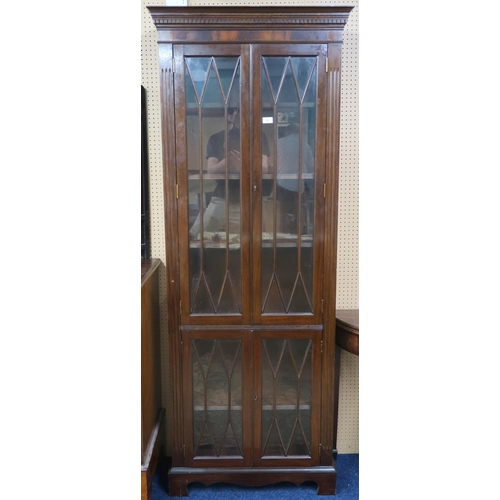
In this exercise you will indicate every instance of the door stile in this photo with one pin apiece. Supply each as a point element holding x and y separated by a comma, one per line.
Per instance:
<point>181,174</point>
<point>187,422</point>
<point>320,185</point>
<point>249,434</point>
<point>246,180</point>
<point>257,397</point>
<point>256,184</point>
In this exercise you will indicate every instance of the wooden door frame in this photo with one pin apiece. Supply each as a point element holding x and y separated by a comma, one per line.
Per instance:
<point>283,49</point>
<point>212,50</point>
<point>315,334</point>
<point>194,333</point>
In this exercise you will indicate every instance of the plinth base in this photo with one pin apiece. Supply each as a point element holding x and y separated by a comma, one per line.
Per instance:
<point>180,477</point>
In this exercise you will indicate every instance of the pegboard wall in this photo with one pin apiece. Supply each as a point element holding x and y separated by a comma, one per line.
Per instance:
<point>347,261</point>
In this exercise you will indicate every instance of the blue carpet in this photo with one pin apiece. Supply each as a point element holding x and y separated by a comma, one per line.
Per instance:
<point>347,487</point>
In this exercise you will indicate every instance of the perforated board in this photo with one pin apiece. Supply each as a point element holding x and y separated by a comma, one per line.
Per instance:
<point>347,261</point>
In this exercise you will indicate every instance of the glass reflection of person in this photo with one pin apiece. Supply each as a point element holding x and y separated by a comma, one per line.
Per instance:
<point>214,218</point>
<point>287,187</point>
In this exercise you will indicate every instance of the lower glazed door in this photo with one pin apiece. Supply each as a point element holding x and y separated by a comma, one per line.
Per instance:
<point>287,399</point>
<point>251,397</point>
<point>217,398</point>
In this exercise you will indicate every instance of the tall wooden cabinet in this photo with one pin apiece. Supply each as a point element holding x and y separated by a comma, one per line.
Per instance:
<point>250,129</point>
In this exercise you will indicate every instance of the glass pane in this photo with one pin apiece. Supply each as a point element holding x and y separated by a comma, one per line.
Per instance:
<point>214,220</point>
<point>274,68</point>
<point>286,397</point>
<point>289,119</point>
<point>197,68</point>
<point>217,397</point>
<point>226,67</point>
<point>302,69</point>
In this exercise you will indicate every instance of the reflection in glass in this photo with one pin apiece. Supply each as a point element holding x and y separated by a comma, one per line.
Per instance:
<point>288,89</point>
<point>217,397</point>
<point>214,164</point>
<point>286,397</point>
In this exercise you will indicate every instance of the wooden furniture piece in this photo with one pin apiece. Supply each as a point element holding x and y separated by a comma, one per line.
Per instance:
<point>348,330</point>
<point>152,413</point>
<point>250,131</point>
<point>347,338</point>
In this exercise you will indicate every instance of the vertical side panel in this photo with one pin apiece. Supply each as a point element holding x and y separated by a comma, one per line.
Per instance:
<point>172,250</point>
<point>330,266</point>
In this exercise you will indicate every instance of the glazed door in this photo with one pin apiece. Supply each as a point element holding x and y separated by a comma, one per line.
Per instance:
<point>250,149</point>
<point>289,108</point>
<point>213,163</point>
<point>217,398</point>
<point>287,399</point>
<point>251,397</point>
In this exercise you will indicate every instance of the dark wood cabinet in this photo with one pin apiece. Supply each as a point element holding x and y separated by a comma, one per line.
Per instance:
<point>250,132</point>
<point>152,412</point>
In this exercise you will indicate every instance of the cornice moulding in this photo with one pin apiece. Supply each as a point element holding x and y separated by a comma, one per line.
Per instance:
<point>253,17</point>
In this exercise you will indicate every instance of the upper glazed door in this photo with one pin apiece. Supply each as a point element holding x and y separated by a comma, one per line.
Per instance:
<point>289,108</point>
<point>250,153</point>
<point>213,167</point>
